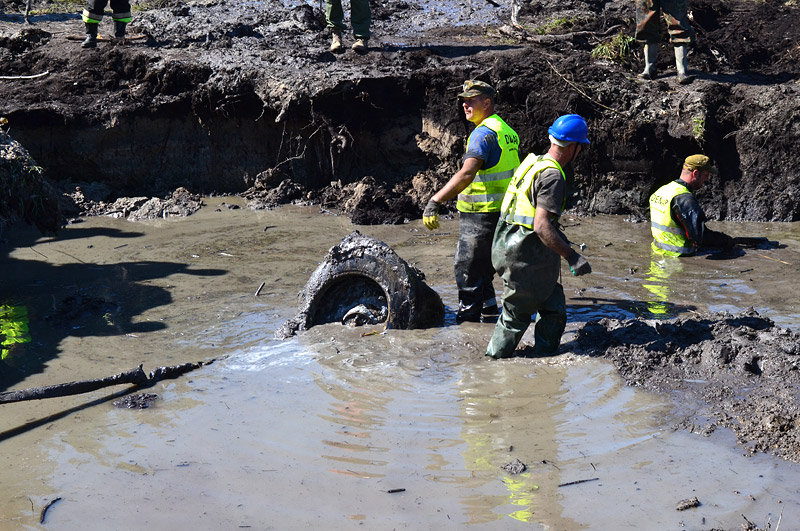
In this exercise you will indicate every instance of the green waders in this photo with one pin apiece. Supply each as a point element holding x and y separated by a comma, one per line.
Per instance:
<point>530,272</point>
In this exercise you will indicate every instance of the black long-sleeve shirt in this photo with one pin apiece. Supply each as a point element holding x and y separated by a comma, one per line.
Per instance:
<point>686,211</point>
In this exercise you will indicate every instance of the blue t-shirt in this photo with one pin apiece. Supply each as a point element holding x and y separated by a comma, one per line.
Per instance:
<point>483,145</point>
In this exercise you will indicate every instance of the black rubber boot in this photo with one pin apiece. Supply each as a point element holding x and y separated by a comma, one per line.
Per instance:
<point>91,36</point>
<point>119,30</point>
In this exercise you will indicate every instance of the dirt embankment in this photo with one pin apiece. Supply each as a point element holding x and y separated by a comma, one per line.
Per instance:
<point>228,98</point>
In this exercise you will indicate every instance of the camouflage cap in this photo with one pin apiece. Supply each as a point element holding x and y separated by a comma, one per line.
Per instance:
<point>473,87</point>
<point>699,162</point>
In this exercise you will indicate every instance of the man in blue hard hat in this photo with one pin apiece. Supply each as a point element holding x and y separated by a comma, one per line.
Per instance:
<point>528,246</point>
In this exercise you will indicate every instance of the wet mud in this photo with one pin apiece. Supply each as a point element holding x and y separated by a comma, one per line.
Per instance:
<point>742,368</point>
<point>360,409</point>
<point>223,98</point>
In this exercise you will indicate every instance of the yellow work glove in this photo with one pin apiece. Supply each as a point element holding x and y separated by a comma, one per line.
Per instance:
<point>430,216</point>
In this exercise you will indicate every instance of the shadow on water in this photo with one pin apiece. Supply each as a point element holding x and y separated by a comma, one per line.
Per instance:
<point>624,309</point>
<point>34,18</point>
<point>42,303</point>
<point>35,423</point>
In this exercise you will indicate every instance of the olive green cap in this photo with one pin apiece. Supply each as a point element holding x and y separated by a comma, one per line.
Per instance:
<point>473,87</point>
<point>699,162</point>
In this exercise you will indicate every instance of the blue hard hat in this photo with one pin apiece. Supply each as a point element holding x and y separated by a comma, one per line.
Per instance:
<point>570,128</point>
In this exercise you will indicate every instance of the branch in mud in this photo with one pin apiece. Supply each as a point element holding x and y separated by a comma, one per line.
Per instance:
<point>520,33</point>
<point>135,376</point>
<point>34,76</point>
<point>582,93</point>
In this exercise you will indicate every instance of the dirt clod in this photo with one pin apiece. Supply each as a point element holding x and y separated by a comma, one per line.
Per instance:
<point>137,401</point>
<point>689,503</point>
<point>515,467</point>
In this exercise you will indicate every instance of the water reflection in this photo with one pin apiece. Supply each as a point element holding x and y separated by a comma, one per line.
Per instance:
<point>14,328</point>
<point>508,414</point>
<point>657,283</point>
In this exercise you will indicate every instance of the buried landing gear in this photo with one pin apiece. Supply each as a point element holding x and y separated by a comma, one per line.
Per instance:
<point>363,281</point>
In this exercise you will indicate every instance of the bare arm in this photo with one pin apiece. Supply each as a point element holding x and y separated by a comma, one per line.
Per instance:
<point>460,180</point>
<point>547,232</point>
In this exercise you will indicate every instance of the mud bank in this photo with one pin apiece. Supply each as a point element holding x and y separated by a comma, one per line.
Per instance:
<point>744,370</point>
<point>224,98</point>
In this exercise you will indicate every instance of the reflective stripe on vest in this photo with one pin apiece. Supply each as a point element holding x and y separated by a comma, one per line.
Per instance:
<point>668,237</point>
<point>485,192</point>
<point>517,208</point>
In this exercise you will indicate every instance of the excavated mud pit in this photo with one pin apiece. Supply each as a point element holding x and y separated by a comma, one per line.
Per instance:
<point>244,100</point>
<point>366,410</point>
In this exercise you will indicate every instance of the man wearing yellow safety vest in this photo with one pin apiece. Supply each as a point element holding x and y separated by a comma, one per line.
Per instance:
<point>93,14</point>
<point>528,246</point>
<point>676,219</point>
<point>491,158</point>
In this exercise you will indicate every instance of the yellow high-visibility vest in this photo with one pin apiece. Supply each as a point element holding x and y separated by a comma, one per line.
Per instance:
<point>517,207</point>
<point>668,237</point>
<point>485,192</point>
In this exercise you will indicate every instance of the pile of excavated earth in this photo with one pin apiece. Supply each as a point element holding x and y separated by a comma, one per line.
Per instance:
<point>744,370</point>
<point>225,97</point>
<point>245,98</point>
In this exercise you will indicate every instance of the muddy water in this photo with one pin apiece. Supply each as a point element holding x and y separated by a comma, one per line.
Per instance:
<point>320,429</point>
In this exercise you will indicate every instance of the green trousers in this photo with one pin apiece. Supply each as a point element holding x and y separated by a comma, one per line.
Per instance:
<point>359,16</point>
<point>530,272</point>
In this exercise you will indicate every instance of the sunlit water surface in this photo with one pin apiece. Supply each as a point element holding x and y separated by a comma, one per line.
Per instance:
<point>336,429</point>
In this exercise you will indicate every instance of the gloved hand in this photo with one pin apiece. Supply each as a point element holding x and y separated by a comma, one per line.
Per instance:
<point>430,216</point>
<point>578,264</point>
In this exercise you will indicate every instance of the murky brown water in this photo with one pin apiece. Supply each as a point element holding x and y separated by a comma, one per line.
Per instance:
<point>316,430</point>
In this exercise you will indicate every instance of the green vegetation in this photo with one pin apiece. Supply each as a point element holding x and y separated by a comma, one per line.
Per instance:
<point>553,25</point>
<point>698,128</point>
<point>60,6</point>
<point>618,49</point>
<point>147,5</point>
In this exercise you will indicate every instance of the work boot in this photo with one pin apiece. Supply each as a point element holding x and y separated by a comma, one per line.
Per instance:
<point>489,314</point>
<point>684,78</point>
<point>119,31</point>
<point>336,43</point>
<point>360,46</point>
<point>650,55</point>
<point>468,312</point>
<point>91,36</point>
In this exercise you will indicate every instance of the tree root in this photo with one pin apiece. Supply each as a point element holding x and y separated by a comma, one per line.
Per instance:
<point>135,376</point>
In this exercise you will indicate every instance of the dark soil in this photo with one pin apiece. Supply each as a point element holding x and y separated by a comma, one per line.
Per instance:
<point>227,98</point>
<point>742,369</point>
<point>137,401</point>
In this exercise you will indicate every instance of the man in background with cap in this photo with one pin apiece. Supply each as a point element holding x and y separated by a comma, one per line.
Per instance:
<point>676,219</point>
<point>491,158</point>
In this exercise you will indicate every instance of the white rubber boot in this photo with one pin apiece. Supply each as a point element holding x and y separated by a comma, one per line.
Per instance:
<point>680,65</point>
<point>650,56</point>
